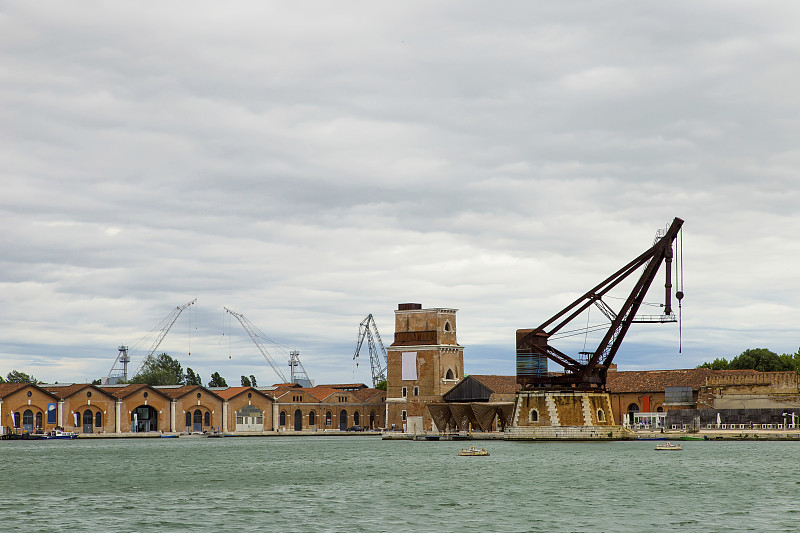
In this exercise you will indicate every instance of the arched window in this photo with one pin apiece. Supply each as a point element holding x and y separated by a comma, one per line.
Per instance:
<point>601,416</point>
<point>533,415</point>
<point>27,418</point>
<point>416,391</point>
<point>449,374</point>
<point>343,420</point>
<point>207,419</point>
<point>312,418</point>
<point>18,420</point>
<point>356,419</point>
<point>328,418</point>
<point>372,420</point>
<point>283,418</point>
<point>38,420</point>
<point>447,326</point>
<point>98,419</point>
<point>404,392</point>
<point>88,417</point>
<point>660,409</point>
<point>188,419</point>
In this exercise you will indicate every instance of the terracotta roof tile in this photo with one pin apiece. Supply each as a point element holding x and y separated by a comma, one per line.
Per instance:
<point>7,389</point>
<point>658,380</point>
<point>499,384</point>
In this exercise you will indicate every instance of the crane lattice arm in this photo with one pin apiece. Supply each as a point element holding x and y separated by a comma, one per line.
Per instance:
<point>251,330</point>
<point>166,325</point>
<point>367,329</point>
<point>592,373</point>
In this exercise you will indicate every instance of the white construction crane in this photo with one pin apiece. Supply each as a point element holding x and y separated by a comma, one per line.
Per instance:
<point>119,370</point>
<point>368,329</point>
<point>298,373</point>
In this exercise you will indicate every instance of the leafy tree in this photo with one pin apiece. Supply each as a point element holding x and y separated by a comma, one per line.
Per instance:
<point>217,380</point>
<point>716,364</point>
<point>161,370</point>
<point>757,359</point>
<point>381,385</point>
<point>191,378</point>
<point>253,380</point>
<point>97,381</point>
<point>15,376</point>
<point>246,382</point>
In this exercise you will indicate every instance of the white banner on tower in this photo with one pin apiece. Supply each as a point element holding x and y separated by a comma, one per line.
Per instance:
<point>409,365</point>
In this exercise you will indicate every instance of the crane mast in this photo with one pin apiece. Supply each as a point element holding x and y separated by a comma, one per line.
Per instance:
<point>367,329</point>
<point>119,370</point>
<point>251,331</point>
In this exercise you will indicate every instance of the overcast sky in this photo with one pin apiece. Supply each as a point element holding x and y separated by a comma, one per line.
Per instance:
<point>306,164</point>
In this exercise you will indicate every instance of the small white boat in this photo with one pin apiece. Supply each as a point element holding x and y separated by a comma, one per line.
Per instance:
<point>472,451</point>
<point>61,434</point>
<point>668,446</point>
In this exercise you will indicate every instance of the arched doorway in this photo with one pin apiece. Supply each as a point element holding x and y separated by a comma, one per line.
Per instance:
<point>312,418</point>
<point>282,419</point>
<point>188,420</point>
<point>356,419</point>
<point>343,420</point>
<point>144,418</point>
<point>38,422</point>
<point>88,421</point>
<point>197,420</point>
<point>632,408</point>
<point>298,420</point>
<point>27,421</point>
<point>372,420</point>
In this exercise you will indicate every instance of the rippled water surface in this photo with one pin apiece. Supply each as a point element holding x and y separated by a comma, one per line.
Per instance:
<point>365,484</point>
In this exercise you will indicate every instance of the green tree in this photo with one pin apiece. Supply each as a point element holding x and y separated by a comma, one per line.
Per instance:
<point>246,382</point>
<point>161,370</point>
<point>381,385</point>
<point>191,378</point>
<point>253,380</point>
<point>15,376</point>
<point>217,380</point>
<point>97,381</point>
<point>716,364</point>
<point>760,359</point>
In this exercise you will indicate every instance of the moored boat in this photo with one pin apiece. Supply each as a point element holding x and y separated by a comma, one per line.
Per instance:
<point>59,434</point>
<point>668,446</point>
<point>472,451</point>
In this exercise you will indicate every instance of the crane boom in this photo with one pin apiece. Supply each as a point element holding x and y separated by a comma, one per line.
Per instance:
<point>251,330</point>
<point>533,348</point>
<point>369,330</point>
<point>166,325</point>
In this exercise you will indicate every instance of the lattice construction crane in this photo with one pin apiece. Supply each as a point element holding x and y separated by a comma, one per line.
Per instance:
<point>534,349</point>
<point>378,361</point>
<point>298,373</point>
<point>119,370</point>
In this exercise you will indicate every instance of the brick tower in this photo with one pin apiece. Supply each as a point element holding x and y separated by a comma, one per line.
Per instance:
<point>424,362</point>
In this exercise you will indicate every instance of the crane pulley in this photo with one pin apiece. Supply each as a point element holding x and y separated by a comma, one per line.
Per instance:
<point>378,361</point>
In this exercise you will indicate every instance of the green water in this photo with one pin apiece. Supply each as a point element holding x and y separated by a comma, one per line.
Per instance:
<point>365,484</point>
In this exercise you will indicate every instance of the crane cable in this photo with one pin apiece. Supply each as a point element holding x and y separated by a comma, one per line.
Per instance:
<point>679,283</point>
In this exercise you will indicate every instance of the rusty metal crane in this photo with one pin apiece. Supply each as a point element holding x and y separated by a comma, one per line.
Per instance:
<point>534,349</point>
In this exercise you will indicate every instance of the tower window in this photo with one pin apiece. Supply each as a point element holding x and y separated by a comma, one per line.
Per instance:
<point>403,413</point>
<point>449,374</point>
<point>416,391</point>
<point>447,326</point>
<point>405,392</point>
<point>533,416</point>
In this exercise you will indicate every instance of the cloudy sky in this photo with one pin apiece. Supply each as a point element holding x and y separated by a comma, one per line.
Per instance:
<point>306,164</point>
